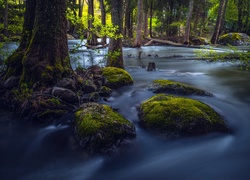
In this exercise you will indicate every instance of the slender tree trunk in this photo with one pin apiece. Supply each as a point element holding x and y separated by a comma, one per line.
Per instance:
<point>145,23</point>
<point>91,37</point>
<point>150,21</point>
<point>80,8</point>
<point>220,17</point>
<point>139,24</point>
<point>103,14</point>
<point>5,30</point>
<point>115,57</point>
<point>188,23</point>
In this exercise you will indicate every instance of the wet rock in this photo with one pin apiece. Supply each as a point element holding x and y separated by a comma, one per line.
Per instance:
<point>168,86</point>
<point>65,94</point>
<point>67,83</point>
<point>99,129</point>
<point>179,116</point>
<point>116,77</point>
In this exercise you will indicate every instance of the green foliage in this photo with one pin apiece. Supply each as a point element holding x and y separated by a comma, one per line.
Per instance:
<point>233,55</point>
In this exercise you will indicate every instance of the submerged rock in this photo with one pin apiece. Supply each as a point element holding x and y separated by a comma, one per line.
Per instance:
<point>179,116</point>
<point>116,77</point>
<point>168,86</point>
<point>99,129</point>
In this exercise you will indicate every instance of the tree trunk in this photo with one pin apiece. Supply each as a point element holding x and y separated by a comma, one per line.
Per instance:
<point>220,17</point>
<point>188,23</point>
<point>139,24</point>
<point>115,57</point>
<point>80,8</point>
<point>91,37</point>
<point>14,62</point>
<point>103,14</point>
<point>5,30</point>
<point>145,23</point>
<point>46,59</point>
<point>150,21</point>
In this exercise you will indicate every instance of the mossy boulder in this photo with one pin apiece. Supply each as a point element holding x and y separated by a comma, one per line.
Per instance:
<point>179,116</point>
<point>116,77</point>
<point>99,129</point>
<point>168,86</point>
<point>234,39</point>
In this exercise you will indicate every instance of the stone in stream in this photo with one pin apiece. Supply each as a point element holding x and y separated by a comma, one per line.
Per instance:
<point>99,129</point>
<point>178,116</point>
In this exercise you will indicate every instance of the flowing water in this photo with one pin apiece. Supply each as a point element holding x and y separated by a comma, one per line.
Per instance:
<point>49,151</point>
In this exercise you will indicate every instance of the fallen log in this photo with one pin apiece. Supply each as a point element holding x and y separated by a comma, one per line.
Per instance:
<point>151,40</point>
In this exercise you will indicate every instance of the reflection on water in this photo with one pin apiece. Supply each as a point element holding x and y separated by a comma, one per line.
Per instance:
<point>50,152</point>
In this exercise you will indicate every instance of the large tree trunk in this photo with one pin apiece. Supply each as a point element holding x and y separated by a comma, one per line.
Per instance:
<point>14,62</point>
<point>219,22</point>
<point>139,24</point>
<point>188,23</point>
<point>46,59</point>
<point>128,30</point>
<point>115,57</point>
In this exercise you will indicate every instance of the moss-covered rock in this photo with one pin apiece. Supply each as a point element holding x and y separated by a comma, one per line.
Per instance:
<point>168,86</point>
<point>178,116</point>
<point>99,129</point>
<point>116,77</point>
<point>234,39</point>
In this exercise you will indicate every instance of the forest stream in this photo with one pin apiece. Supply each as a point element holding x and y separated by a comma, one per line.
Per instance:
<point>49,151</point>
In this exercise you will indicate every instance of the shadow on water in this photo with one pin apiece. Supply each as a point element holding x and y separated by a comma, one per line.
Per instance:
<point>50,152</point>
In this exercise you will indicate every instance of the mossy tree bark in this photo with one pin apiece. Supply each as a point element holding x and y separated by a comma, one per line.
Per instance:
<point>42,56</point>
<point>115,57</point>
<point>14,62</point>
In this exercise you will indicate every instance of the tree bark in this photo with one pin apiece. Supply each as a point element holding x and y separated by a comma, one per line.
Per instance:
<point>150,21</point>
<point>14,62</point>
<point>145,23</point>
<point>91,37</point>
<point>80,8</point>
<point>188,23</point>
<point>139,24</point>
<point>103,18</point>
<point>219,24</point>
<point>115,56</point>
<point>46,59</point>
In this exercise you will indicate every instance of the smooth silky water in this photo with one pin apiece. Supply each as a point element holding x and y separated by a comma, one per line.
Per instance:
<point>49,151</point>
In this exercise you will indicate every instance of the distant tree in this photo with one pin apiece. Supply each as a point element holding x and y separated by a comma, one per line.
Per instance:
<point>103,18</point>
<point>188,22</point>
<point>115,56</point>
<point>91,37</point>
<point>138,37</point>
<point>220,21</point>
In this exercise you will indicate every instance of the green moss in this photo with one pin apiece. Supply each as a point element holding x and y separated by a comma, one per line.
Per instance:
<point>99,128</point>
<point>178,115</point>
<point>95,117</point>
<point>162,85</point>
<point>50,113</point>
<point>117,77</point>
